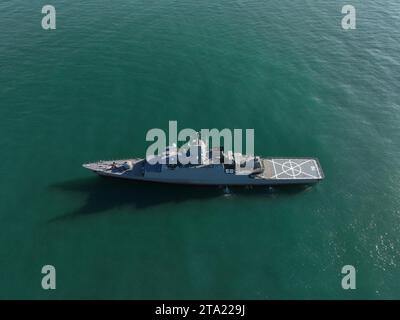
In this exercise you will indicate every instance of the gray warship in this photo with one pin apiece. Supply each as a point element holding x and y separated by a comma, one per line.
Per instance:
<point>214,167</point>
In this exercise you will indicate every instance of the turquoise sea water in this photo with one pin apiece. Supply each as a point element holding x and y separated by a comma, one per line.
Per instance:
<point>112,70</point>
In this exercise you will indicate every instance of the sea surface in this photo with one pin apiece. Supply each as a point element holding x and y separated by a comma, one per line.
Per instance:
<point>112,70</point>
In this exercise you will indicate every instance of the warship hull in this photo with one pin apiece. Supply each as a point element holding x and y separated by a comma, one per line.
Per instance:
<point>275,171</point>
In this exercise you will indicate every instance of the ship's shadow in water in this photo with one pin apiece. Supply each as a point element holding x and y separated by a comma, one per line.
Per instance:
<point>104,194</point>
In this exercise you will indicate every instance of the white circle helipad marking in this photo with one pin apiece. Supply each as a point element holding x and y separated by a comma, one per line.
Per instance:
<point>291,168</point>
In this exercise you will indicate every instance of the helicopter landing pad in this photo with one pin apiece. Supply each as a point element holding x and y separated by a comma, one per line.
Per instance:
<point>292,169</point>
